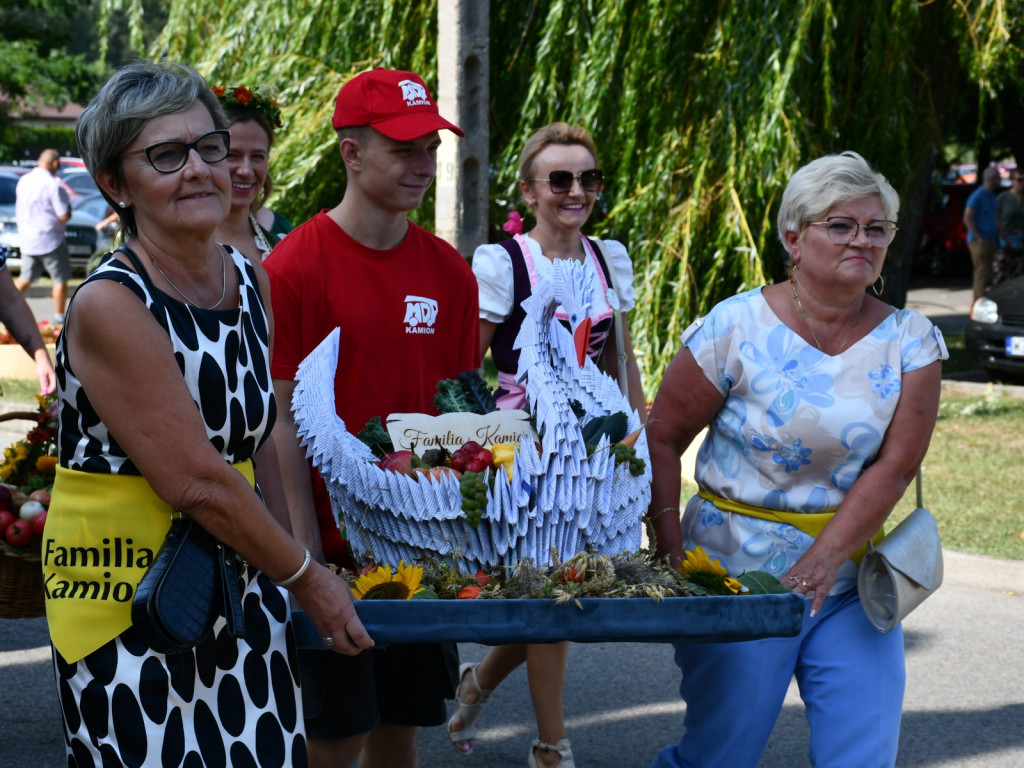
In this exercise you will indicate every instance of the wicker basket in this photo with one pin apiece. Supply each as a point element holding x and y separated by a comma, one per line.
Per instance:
<point>21,576</point>
<point>21,587</point>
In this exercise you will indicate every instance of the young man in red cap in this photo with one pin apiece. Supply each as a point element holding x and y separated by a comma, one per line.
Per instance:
<point>407,306</point>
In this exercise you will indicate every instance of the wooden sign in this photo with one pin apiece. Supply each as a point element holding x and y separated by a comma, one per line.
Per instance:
<point>452,430</point>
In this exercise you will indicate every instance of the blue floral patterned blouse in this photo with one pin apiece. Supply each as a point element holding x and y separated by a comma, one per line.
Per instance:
<point>797,427</point>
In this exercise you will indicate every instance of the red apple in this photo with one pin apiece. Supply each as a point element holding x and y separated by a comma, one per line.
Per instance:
<point>399,461</point>
<point>6,518</point>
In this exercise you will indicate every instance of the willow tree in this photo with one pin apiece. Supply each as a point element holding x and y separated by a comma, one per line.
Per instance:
<point>701,109</point>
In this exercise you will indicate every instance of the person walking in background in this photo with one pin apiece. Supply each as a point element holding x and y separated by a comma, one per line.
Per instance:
<point>16,315</point>
<point>983,229</point>
<point>42,209</point>
<point>253,118</point>
<point>559,181</point>
<point>820,402</point>
<point>406,304</point>
<point>1010,218</point>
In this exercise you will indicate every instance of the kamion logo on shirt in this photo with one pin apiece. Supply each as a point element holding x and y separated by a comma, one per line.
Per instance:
<point>420,314</point>
<point>415,95</point>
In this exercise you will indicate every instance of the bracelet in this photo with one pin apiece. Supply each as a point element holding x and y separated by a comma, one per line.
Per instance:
<point>298,574</point>
<point>658,515</point>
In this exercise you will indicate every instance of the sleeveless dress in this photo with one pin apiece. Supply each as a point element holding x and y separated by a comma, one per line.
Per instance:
<point>225,702</point>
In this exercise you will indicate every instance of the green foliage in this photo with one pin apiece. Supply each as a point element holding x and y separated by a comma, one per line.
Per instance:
<point>761,583</point>
<point>467,393</point>
<point>376,437</point>
<point>701,110</point>
<point>20,141</point>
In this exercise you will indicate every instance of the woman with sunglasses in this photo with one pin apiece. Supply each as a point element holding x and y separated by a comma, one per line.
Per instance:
<point>819,402</point>
<point>166,404</point>
<point>559,181</point>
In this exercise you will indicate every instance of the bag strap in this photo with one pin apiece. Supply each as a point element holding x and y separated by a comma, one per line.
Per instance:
<point>920,494</point>
<point>620,347</point>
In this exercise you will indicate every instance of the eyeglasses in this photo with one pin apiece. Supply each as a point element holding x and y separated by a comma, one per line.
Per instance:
<point>843,231</point>
<point>171,156</point>
<point>561,181</point>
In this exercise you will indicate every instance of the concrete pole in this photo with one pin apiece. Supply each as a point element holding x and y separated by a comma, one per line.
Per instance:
<point>463,95</point>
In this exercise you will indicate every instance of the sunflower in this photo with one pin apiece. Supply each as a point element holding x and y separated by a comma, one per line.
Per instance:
<point>700,560</point>
<point>382,584</point>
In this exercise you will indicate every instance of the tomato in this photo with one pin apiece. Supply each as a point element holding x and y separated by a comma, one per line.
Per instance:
<point>37,524</point>
<point>6,518</point>
<point>19,533</point>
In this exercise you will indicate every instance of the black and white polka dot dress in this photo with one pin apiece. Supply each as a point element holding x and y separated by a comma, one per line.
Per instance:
<point>227,702</point>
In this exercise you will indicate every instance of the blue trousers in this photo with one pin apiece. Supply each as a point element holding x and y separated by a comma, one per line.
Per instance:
<point>851,680</point>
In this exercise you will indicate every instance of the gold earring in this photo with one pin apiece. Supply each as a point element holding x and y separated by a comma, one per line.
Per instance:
<point>879,290</point>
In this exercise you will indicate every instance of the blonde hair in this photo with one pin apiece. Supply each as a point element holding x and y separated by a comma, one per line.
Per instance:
<point>826,182</point>
<point>555,133</point>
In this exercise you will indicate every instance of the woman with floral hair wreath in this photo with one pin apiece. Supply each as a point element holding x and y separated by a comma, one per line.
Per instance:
<point>253,116</point>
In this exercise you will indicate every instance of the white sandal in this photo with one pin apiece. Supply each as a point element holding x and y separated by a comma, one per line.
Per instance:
<point>469,713</point>
<point>561,747</point>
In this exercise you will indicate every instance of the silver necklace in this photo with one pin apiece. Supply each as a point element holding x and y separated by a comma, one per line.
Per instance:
<point>258,236</point>
<point>223,277</point>
<point>803,315</point>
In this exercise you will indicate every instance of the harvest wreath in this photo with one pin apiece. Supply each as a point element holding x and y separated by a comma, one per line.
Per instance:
<point>580,599</point>
<point>427,500</point>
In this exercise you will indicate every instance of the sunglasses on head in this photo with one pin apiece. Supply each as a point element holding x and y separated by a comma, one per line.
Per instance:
<point>561,181</point>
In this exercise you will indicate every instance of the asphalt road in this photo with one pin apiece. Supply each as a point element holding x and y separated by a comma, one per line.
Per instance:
<point>964,705</point>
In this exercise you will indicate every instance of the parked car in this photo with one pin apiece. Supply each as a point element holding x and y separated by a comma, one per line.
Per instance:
<point>79,234</point>
<point>81,183</point>
<point>942,239</point>
<point>95,209</point>
<point>994,334</point>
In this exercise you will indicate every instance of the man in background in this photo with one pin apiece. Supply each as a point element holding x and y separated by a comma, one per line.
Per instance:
<point>982,229</point>
<point>42,208</point>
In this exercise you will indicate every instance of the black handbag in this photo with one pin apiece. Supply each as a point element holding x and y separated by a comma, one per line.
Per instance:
<point>192,581</point>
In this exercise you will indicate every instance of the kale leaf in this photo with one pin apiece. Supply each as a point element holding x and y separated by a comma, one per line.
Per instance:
<point>376,437</point>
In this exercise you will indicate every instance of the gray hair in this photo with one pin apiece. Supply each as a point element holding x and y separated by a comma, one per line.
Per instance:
<point>990,173</point>
<point>133,96</point>
<point>829,181</point>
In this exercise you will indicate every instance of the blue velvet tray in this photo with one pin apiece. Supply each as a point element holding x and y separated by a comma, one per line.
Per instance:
<point>600,620</point>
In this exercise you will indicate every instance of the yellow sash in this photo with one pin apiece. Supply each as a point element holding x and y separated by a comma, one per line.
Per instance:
<point>810,523</point>
<point>102,533</point>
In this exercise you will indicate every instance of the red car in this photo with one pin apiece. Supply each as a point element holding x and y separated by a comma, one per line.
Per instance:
<point>942,240</point>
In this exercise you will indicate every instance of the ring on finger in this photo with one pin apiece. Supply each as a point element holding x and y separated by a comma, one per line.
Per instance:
<point>329,642</point>
<point>805,583</point>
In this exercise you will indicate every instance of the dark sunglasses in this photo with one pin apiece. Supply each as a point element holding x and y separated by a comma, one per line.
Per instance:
<point>561,181</point>
<point>171,156</point>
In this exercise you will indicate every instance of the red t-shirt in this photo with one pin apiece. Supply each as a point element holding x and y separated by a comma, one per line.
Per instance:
<point>409,317</point>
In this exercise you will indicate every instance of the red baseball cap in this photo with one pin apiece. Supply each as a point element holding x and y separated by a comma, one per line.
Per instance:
<point>393,102</point>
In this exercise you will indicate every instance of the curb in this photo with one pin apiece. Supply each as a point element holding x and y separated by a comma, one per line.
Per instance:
<point>989,574</point>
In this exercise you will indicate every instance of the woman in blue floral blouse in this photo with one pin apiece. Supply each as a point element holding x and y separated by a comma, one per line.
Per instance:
<point>820,401</point>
